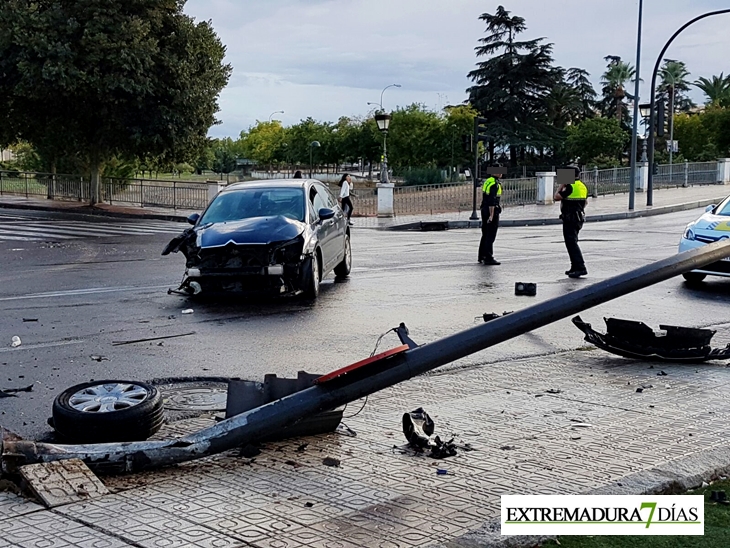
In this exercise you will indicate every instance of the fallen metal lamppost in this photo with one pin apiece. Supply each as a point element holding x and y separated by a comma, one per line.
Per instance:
<point>353,383</point>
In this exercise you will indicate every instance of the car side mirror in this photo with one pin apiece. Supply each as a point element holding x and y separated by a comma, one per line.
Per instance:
<point>193,218</point>
<point>326,213</point>
<point>709,208</point>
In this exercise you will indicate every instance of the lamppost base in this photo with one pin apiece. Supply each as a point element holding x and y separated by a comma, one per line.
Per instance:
<point>474,217</point>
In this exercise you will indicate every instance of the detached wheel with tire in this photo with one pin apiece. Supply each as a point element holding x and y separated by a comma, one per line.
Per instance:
<point>311,277</point>
<point>694,278</point>
<point>108,411</point>
<point>342,270</point>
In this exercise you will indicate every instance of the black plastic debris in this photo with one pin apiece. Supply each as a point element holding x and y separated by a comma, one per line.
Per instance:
<point>488,316</point>
<point>429,226</point>
<point>632,339</point>
<point>526,289</point>
<point>418,428</point>
<point>12,392</point>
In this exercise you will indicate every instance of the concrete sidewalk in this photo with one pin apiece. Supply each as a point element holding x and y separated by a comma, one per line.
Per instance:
<point>604,208</point>
<point>583,430</point>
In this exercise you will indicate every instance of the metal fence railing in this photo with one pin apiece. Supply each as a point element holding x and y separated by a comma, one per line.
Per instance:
<point>407,200</point>
<point>163,194</point>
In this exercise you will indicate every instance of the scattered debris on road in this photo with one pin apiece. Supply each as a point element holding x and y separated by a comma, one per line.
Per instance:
<point>15,341</point>
<point>119,343</point>
<point>12,392</point>
<point>526,289</point>
<point>488,316</point>
<point>632,339</point>
<point>187,311</point>
<point>99,358</point>
<point>418,428</point>
<point>554,391</point>
<point>330,461</point>
<point>30,319</point>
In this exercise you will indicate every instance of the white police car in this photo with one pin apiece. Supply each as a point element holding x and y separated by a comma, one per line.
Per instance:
<point>712,226</point>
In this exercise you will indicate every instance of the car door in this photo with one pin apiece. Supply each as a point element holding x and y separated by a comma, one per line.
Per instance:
<point>329,242</point>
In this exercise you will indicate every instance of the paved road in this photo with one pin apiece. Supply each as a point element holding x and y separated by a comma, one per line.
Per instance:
<point>88,294</point>
<point>43,227</point>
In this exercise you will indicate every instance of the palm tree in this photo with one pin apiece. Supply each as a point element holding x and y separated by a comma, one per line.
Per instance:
<point>717,90</point>
<point>674,84</point>
<point>564,105</point>
<point>614,79</point>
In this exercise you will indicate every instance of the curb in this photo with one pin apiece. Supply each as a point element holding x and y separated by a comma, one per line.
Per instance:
<point>674,477</point>
<point>95,211</point>
<point>540,222</point>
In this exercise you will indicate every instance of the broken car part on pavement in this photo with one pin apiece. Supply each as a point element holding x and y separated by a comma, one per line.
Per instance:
<point>357,383</point>
<point>418,428</point>
<point>632,339</point>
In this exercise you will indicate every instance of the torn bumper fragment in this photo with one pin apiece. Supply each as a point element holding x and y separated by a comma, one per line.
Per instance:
<point>632,339</point>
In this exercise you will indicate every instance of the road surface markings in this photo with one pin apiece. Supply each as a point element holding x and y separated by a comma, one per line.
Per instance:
<point>28,229</point>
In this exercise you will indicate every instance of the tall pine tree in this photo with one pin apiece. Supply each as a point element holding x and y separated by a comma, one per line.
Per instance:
<point>511,85</point>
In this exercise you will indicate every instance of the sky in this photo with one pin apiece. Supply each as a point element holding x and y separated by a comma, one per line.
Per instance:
<point>329,58</point>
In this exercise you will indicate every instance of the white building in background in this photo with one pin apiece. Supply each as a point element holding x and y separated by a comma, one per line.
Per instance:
<point>6,155</point>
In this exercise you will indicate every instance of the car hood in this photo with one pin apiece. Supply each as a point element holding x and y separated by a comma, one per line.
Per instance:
<point>714,223</point>
<point>257,230</point>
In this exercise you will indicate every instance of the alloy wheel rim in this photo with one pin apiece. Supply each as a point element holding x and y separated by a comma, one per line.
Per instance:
<point>107,398</point>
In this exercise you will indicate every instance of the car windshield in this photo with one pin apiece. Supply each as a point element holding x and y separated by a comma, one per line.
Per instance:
<point>248,203</point>
<point>724,208</point>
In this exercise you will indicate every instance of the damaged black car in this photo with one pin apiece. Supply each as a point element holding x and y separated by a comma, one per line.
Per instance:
<point>280,237</point>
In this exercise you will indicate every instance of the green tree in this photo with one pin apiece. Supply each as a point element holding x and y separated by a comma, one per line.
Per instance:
<point>263,142</point>
<point>694,137</point>
<point>618,74</point>
<point>716,90</point>
<point>413,138</point>
<point>106,78</point>
<point>511,85</point>
<point>224,155</point>
<point>675,86</point>
<point>578,80</point>
<point>596,139</point>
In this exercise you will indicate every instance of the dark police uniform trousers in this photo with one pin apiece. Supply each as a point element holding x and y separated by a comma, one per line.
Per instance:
<point>489,230</point>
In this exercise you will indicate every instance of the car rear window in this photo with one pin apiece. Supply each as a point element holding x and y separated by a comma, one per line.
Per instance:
<point>248,203</point>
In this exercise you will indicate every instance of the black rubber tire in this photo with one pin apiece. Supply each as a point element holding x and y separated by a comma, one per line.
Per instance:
<point>136,423</point>
<point>342,270</point>
<point>694,278</point>
<point>311,269</point>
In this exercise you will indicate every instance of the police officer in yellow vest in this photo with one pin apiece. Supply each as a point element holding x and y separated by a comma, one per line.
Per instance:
<point>490,209</point>
<point>573,198</point>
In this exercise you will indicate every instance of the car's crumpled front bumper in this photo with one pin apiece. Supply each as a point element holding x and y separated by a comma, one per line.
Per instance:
<point>274,268</point>
<point>719,268</point>
<point>637,340</point>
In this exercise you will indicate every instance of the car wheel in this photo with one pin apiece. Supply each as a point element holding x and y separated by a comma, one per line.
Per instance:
<point>108,411</point>
<point>311,277</point>
<point>342,270</point>
<point>694,278</point>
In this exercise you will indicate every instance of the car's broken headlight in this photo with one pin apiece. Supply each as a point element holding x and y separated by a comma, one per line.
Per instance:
<point>289,252</point>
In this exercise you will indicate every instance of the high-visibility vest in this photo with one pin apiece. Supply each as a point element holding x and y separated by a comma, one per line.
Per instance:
<point>579,192</point>
<point>488,186</point>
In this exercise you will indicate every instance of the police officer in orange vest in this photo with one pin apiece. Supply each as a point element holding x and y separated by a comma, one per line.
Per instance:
<point>573,198</point>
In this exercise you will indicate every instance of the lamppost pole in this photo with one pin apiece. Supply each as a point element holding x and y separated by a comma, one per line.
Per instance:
<point>312,146</point>
<point>634,132</point>
<point>277,112</point>
<point>652,121</point>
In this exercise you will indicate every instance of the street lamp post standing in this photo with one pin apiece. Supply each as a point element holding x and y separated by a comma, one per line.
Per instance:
<point>634,135</point>
<point>650,186</point>
<point>312,146</point>
<point>277,112</point>
<point>383,121</point>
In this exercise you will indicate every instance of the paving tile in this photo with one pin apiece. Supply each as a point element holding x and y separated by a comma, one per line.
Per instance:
<point>12,506</point>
